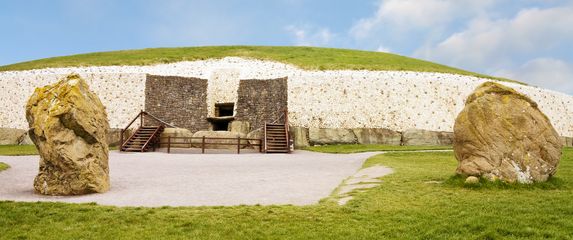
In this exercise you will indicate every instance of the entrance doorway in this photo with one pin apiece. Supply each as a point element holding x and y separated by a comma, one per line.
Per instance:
<point>223,116</point>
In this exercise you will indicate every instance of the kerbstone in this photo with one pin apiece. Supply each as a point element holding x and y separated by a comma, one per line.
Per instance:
<point>321,136</point>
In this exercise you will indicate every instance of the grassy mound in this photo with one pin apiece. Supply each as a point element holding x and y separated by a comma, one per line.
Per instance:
<point>310,58</point>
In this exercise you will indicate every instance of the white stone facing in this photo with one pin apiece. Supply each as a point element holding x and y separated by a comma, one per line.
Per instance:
<point>222,88</point>
<point>396,100</point>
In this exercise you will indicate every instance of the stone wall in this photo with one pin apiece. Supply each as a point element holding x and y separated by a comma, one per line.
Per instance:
<point>261,101</point>
<point>179,101</point>
<point>395,100</point>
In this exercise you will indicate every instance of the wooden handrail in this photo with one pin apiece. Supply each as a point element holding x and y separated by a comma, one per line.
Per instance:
<point>141,116</point>
<point>287,130</point>
<point>126,128</point>
<point>265,137</point>
<point>157,119</point>
<point>239,143</point>
<point>214,138</point>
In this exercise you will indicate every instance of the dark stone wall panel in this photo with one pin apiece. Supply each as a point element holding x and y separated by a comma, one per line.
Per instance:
<point>181,101</point>
<point>261,101</point>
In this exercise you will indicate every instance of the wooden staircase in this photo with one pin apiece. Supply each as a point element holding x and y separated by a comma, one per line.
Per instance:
<point>144,138</point>
<point>276,138</point>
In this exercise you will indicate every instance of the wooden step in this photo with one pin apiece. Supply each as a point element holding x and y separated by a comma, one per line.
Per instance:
<point>275,125</point>
<point>276,144</point>
<point>142,136</point>
<point>277,151</point>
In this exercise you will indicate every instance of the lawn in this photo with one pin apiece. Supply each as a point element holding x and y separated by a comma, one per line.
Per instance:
<point>18,150</point>
<point>421,200</point>
<point>311,58</point>
<point>357,148</point>
<point>3,166</point>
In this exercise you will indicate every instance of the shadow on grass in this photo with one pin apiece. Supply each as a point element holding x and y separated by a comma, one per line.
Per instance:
<point>458,181</point>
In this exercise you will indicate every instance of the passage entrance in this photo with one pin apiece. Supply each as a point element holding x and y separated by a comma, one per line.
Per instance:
<point>223,116</point>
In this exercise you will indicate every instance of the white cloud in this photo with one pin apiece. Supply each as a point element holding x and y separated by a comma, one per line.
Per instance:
<point>412,14</point>
<point>543,72</point>
<point>486,43</point>
<point>383,49</point>
<point>310,36</point>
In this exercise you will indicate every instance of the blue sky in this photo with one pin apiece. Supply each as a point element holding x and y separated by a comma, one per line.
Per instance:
<point>527,40</point>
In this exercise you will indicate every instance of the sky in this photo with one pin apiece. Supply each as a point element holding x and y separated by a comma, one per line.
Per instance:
<point>526,40</point>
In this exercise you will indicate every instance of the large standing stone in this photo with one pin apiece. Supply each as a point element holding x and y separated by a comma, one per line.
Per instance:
<point>377,136</point>
<point>501,134</point>
<point>320,136</point>
<point>68,126</point>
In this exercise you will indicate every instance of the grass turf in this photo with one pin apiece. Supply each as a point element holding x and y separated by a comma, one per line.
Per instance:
<point>311,58</point>
<point>421,200</point>
<point>21,150</point>
<point>357,148</point>
<point>3,166</point>
<point>18,150</point>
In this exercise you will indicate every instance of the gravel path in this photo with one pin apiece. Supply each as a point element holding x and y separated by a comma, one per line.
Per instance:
<point>160,179</point>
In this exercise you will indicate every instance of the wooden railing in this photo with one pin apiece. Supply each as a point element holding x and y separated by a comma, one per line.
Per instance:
<point>241,142</point>
<point>287,130</point>
<point>141,116</point>
<point>265,137</point>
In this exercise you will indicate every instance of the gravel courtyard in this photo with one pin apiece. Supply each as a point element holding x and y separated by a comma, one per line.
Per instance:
<point>159,179</point>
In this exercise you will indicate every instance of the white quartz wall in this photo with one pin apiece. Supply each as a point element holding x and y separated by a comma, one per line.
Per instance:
<point>123,94</point>
<point>396,100</point>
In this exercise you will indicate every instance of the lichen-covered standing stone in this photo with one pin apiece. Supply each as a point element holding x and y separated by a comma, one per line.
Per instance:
<point>501,134</point>
<point>68,125</point>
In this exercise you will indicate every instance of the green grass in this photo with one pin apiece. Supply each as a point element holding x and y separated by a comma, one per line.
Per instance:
<point>21,150</point>
<point>3,166</point>
<point>304,57</point>
<point>421,200</point>
<point>357,148</point>
<point>18,150</point>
